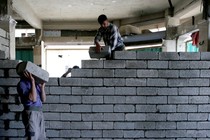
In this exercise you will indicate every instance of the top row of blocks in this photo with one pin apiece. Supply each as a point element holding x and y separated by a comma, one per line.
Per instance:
<point>133,55</point>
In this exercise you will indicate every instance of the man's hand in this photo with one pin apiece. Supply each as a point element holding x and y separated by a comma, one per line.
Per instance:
<point>98,48</point>
<point>29,76</point>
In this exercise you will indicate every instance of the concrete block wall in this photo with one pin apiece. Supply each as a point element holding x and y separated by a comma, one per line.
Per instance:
<point>4,44</point>
<point>137,96</point>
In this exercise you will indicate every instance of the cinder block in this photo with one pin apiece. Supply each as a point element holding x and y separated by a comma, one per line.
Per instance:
<point>69,134</point>
<point>9,81</point>
<point>186,125</point>
<point>135,117</point>
<point>165,125</point>
<point>134,64</point>
<point>199,99</point>
<point>137,82</point>
<point>2,55</point>
<point>176,133</point>
<point>39,74</point>
<point>103,90</point>
<point>116,64</point>
<point>52,82</point>
<point>147,73</point>
<point>3,33</point>
<point>70,117</point>
<point>70,81</point>
<point>205,73</point>
<point>157,82</point>
<point>124,125</point>
<point>103,73</point>
<point>105,52</point>
<point>113,134</point>
<point>125,90</point>
<point>178,82</point>
<point>114,116</point>
<point>197,133</point>
<point>93,117</point>
<point>155,134</point>
<point>103,125</point>
<point>166,108</point>
<point>204,108</point>
<point>125,55</point>
<point>187,108</point>
<point>146,108</point>
<point>198,117</point>
<point>8,133</point>
<point>2,92</point>
<point>16,124</point>
<point>82,90</point>
<point>70,99</point>
<point>133,134</point>
<point>52,133</point>
<point>145,125</point>
<point>81,108</point>
<point>179,64</point>
<point>167,91</point>
<point>189,91</point>
<point>114,99</point>
<point>155,117</point>
<point>135,99</point>
<point>147,55</point>
<point>156,99</point>
<point>168,73</point>
<point>189,73</point>
<point>177,117</point>
<point>92,82</point>
<point>158,64</point>
<point>203,125</point>
<point>12,73</point>
<point>59,125</point>
<point>51,116</point>
<point>125,73</point>
<point>205,55</point>
<point>52,99</point>
<point>8,64</point>
<point>114,81</point>
<point>199,64</point>
<point>147,91</point>
<point>81,125</point>
<point>168,56</point>
<point>178,100</point>
<point>189,56</point>
<point>81,73</point>
<point>204,91</point>
<point>103,108</point>
<point>60,90</point>
<point>59,107</point>
<point>124,108</point>
<point>1,73</point>
<point>91,133</point>
<point>92,99</point>
<point>4,41</point>
<point>199,82</point>
<point>92,64</point>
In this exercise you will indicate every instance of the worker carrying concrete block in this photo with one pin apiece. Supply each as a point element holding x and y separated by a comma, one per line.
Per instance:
<point>111,37</point>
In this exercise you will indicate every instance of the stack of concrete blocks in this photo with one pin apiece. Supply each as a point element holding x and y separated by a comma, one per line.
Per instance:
<point>4,44</point>
<point>137,96</point>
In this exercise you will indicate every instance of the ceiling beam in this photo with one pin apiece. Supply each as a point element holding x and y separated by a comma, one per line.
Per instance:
<point>24,10</point>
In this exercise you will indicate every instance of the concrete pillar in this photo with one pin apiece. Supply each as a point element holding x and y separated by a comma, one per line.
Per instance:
<point>37,48</point>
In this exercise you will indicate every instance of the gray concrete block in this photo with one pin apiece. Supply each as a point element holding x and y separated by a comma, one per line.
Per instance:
<point>157,82</point>
<point>81,108</point>
<point>8,133</point>
<point>147,55</point>
<point>52,99</point>
<point>145,125</point>
<point>189,56</point>
<point>156,99</point>
<point>52,82</point>
<point>124,125</point>
<point>1,73</point>
<point>116,64</point>
<point>158,64</point>
<point>168,56</point>
<point>103,90</point>
<point>4,41</point>
<point>82,90</point>
<point>199,64</point>
<point>167,91</point>
<point>135,99</point>
<point>114,99</point>
<point>189,91</point>
<point>178,100</point>
<point>81,125</point>
<point>59,107</point>
<point>2,91</point>
<point>124,108</point>
<point>125,90</point>
<point>147,91</point>
<point>187,108</point>
<point>135,117</point>
<point>103,125</point>
<point>15,125</point>
<point>105,51</point>
<point>70,117</point>
<point>92,64</point>
<point>70,81</point>
<point>2,55</point>
<point>39,74</point>
<point>3,33</point>
<point>134,64</point>
<point>205,55</point>
<point>176,133</point>
<point>179,64</point>
<point>177,117</point>
<point>205,73</point>
<point>146,108</point>
<point>125,73</point>
<point>91,133</point>
<point>113,134</point>
<point>166,108</point>
<point>155,117</point>
<point>114,117</point>
<point>92,99</point>
<point>198,117</point>
<point>81,73</point>
<point>136,82</point>
<point>204,91</point>
<point>59,125</point>
<point>133,134</point>
<point>203,108</point>
<point>203,125</point>
<point>92,82</point>
<point>199,99</point>
<point>51,116</point>
<point>9,81</point>
<point>60,90</point>
<point>93,117</point>
<point>70,99</point>
<point>103,108</point>
<point>125,55</point>
<point>178,82</point>
<point>69,133</point>
<point>147,73</point>
<point>155,134</point>
<point>165,125</point>
<point>168,73</point>
<point>189,73</point>
<point>52,133</point>
<point>186,125</point>
<point>114,81</point>
<point>103,73</point>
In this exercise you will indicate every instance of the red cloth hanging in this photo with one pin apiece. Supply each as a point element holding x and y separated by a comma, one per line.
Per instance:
<point>195,38</point>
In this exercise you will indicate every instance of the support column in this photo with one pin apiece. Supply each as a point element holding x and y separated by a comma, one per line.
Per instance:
<point>37,47</point>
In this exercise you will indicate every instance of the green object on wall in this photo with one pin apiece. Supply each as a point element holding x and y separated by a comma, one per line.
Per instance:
<point>24,54</point>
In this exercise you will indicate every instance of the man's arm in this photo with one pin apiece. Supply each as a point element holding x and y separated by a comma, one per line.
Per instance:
<point>113,37</point>
<point>97,40</point>
<point>43,94</point>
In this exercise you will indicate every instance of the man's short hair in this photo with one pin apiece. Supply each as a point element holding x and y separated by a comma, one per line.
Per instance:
<point>102,18</point>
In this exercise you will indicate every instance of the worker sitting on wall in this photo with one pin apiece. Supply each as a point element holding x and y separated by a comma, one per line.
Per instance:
<point>110,34</point>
